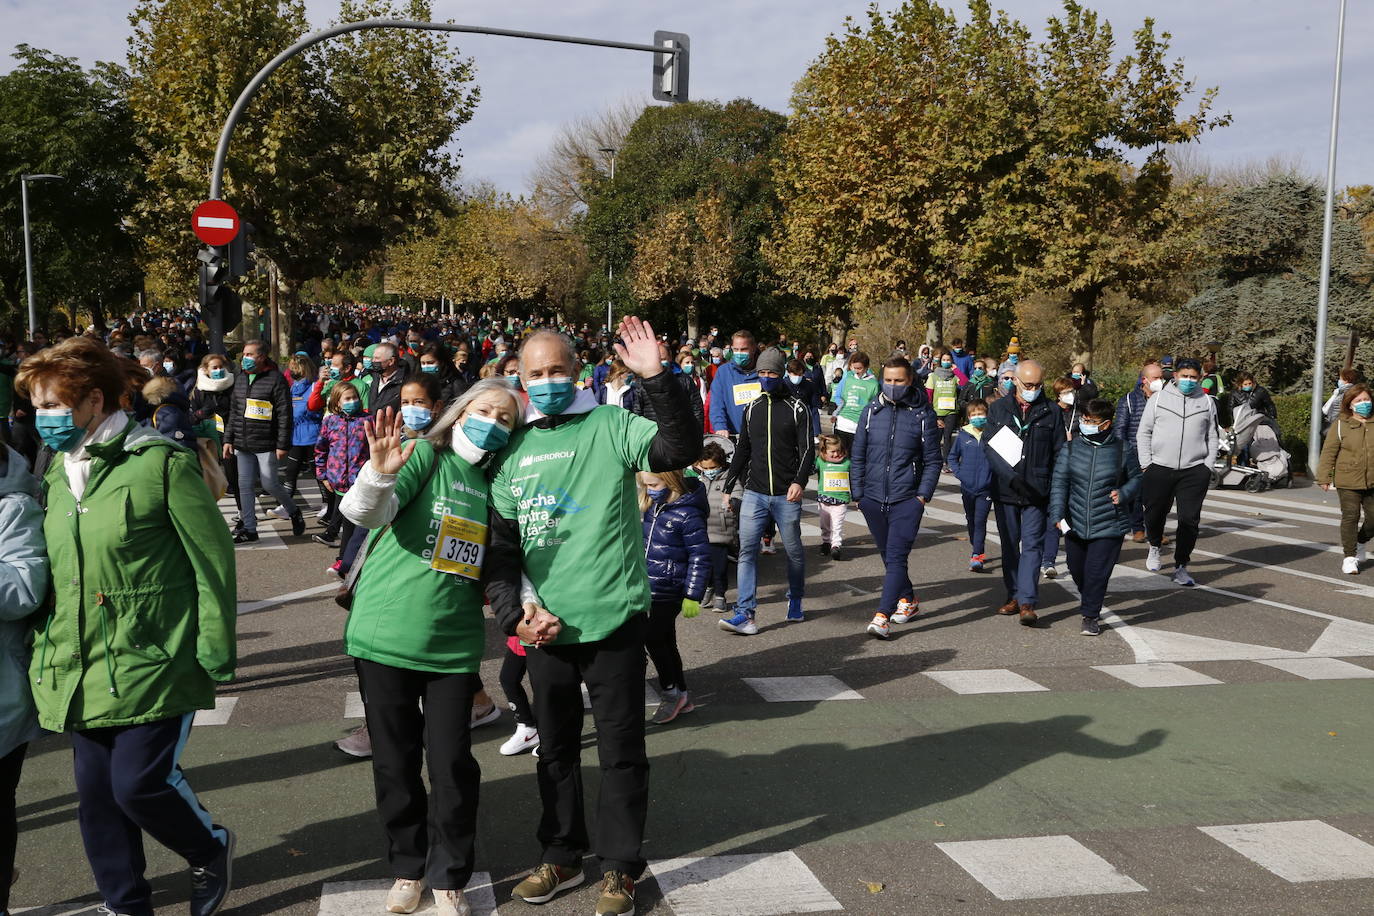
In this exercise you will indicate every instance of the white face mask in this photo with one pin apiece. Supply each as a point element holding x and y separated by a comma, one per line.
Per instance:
<point>1157,385</point>
<point>1067,397</point>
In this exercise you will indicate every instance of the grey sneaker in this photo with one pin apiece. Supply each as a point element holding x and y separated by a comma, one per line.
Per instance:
<point>707,597</point>
<point>718,602</point>
<point>1091,627</point>
<point>673,704</point>
<point>1181,577</point>
<point>358,743</point>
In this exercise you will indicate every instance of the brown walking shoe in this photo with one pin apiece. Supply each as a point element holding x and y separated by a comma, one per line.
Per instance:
<point>1028,617</point>
<point>546,882</point>
<point>1008,609</point>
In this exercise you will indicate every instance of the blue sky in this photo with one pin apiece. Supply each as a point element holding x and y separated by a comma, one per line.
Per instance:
<point>1272,59</point>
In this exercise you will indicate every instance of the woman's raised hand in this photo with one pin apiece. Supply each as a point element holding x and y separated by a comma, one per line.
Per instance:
<point>388,456</point>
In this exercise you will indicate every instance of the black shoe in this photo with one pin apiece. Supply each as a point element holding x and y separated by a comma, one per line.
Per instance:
<point>836,554</point>
<point>244,536</point>
<point>326,539</point>
<point>211,883</point>
<point>825,550</point>
<point>298,523</point>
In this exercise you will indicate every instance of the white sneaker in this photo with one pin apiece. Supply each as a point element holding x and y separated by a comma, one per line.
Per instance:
<point>1351,566</point>
<point>451,903</point>
<point>404,896</point>
<point>1181,577</point>
<point>766,547</point>
<point>280,512</point>
<point>525,737</point>
<point>907,610</point>
<point>878,627</point>
<point>1049,572</point>
<point>1152,561</point>
<point>323,511</point>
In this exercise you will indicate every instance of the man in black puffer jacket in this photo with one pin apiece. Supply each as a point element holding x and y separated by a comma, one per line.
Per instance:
<point>1021,489</point>
<point>1095,479</point>
<point>258,431</point>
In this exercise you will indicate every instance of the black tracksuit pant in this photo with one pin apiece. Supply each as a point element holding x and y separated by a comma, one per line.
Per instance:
<point>412,715</point>
<point>1160,488</point>
<point>11,765</point>
<point>613,670</point>
<point>661,642</point>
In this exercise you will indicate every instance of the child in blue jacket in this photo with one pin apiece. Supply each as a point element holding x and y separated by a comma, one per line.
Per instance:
<point>677,552</point>
<point>970,465</point>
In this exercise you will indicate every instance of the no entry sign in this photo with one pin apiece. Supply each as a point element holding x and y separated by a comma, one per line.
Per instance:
<point>215,222</point>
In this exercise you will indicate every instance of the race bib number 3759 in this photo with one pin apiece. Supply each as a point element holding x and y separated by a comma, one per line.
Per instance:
<point>461,548</point>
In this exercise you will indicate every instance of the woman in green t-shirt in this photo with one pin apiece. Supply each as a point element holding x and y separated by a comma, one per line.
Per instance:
<point>416,631</point>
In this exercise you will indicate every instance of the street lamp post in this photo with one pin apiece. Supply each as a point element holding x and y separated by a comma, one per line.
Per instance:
<point>28,245</point>
<point>610,271</point>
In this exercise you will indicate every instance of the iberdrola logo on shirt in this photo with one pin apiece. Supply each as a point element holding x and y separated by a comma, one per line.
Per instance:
<point>547,456</point>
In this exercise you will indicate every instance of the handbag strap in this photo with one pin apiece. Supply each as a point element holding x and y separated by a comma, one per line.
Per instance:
<point>357,567</point>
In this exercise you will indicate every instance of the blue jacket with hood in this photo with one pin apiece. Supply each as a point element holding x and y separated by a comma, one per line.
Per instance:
<point>896,454</point>
<point>677,549</point>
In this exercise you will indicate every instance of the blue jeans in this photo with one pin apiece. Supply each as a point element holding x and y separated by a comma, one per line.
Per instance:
<point>1022,530</point>
<point>1049,552</point>
<point>255,467</point>
<point>976,509</point>
<point>755,510</point>
<point>894,527</point>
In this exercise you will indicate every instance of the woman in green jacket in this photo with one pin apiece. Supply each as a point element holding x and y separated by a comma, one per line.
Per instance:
<point>142,626</point>
<point>1347,463</point>
<point>416,631</point>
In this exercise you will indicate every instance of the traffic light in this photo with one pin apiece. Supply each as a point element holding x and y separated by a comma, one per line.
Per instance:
<point>241,250</point>
<point>220,306</point>
<point>670,70</point>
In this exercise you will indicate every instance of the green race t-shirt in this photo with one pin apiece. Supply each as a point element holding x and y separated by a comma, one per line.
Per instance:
<point>572,490</point>
<point>833,479</point>
<point>857,393</point>
<point>406,614</point>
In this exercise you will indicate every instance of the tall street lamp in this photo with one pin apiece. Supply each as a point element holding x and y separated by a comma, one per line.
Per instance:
<point>28,246</point>
<point>610,271</point>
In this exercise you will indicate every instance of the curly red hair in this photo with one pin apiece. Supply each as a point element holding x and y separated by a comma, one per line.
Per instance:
<point>76,367</point>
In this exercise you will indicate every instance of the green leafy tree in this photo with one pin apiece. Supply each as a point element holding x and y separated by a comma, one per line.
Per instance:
<point>57,118</point>
<point>1259,297</point>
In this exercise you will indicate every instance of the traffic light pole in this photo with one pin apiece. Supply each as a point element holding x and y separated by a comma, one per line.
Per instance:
<point>670,67</point>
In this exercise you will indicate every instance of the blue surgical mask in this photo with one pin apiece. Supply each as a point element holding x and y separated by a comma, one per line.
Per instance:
<point>1187,385</point>
<point>367,363</point>
<point>769,384</point>
<point>169,367</point>
<point>741,358</point>
<point>218,373</point>
<point>978,422</point>
<point>1364,408</point>
<point>715,360</point>
<point>415,416</point>
<point>57,429</point>
<point>978,374</point>
<point>710,473</point>
<point>945,364</point>
<point>248,363</point>
<point>1014,358</point>
<point>431,368</point>
<point>656,493</point>
<point>794,379</point>
<point>895,392</point>
<point>1077,376</point>
<point>1008,384</point>
<point>335,374</point>
<point>1030,395</point>
<point>1087,429</point>
<point>484,432</point>
<point>551,396</point>
<point>352,407</point>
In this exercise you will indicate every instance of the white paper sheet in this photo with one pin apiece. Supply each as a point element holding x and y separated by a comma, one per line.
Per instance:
<point>1008,445</point>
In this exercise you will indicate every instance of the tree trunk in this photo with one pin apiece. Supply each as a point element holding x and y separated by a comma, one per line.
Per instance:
<point>935,325</point>
<point>693,318</point>
<point>971,327</point>
<point>1083,313</point>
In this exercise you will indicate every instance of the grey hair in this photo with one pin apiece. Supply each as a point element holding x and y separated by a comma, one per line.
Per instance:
<point>155,355</point>
<point>545,334</point>
<point>390,349</point>
<point>441,433</point>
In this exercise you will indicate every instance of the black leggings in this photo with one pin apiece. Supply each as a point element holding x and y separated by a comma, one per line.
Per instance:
<point>1160,488</point>
<point>512,684</point>
<point>297,457</point>
<point>11,765</point>
<point>661,642</point>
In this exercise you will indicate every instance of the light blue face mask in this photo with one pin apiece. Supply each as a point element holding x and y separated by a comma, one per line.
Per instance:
<point>248,363</point>
<point>551,396</point>
<point>485,433</point>
<point>431,368</point>
<point>1088,429</point>
<point>335,374</point>
<point>416,417</point>
<point>1363,408</point>
<point>218,374</point>
<point>57,429</point>
<point>1187,385</point>
<point>978,422</point>
<point>1030,395</point>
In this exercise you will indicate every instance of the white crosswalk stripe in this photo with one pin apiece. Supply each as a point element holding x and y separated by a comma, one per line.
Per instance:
<point>1034,868</point>
<point>1299,851</point>
<point>770,884</point>
<point>351,898</point>
<point>991,680</point>
<point>224,708</point>
<point>818,688</point>
<point>1318,669</point>
<point>1157,674</point>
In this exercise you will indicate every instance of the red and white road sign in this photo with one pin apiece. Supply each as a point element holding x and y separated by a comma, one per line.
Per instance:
<point>215,222</point>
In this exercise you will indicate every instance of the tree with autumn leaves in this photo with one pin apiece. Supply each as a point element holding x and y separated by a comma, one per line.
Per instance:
<point>961,163</point>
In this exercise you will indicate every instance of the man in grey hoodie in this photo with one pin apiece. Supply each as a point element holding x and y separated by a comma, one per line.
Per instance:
<point>1177,445</point>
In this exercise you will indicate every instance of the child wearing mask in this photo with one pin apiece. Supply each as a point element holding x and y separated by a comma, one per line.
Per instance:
<point>970,466</point>
<point>340,454</point>
<point>677,553</point>
<point>832,493</point>
<point>1095,478</point>
<point>723,527</point>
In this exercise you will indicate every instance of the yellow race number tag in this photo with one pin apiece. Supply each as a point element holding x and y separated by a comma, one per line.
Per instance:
<point>461,548</point>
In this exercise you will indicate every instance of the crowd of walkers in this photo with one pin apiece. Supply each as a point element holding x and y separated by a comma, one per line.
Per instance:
<point>466,463</point>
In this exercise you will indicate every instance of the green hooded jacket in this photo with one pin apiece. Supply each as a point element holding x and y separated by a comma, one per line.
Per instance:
<point>143,576</point>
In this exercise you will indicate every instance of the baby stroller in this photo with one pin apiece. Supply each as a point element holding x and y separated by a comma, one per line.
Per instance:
<point>1250,455</point>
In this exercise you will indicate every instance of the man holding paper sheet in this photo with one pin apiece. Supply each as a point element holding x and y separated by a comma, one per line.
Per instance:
<point>1022,440</point>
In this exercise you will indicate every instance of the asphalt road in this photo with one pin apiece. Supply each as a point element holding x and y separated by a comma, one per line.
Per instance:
<point>1209,753</point>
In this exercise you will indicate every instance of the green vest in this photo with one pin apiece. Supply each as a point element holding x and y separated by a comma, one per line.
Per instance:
<point>946,395</point>
<point>833,479</point>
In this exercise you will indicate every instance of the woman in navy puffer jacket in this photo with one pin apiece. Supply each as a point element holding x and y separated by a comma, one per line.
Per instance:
<point>677,553</point>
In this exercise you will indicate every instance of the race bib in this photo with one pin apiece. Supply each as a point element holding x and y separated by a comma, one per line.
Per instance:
<point>836,481</point>
<point>461,548</point>
<point>746,392</point>
<point>253,409</point>
<point>945,402</point>
<point>219,424</point>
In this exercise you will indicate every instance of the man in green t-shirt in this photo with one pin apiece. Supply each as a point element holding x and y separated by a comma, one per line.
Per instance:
<point>564,491</point>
